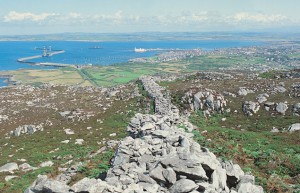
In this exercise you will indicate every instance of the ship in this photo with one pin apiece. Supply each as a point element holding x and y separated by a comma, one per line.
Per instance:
<point>140,50</point>
<point>96,47</point>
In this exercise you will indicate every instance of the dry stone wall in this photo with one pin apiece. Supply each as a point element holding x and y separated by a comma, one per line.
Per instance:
<point>159,155</point>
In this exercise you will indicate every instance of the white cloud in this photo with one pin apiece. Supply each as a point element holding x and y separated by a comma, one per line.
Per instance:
<point>259,17</point>
<point>120,21</point>
<point>23,16</point>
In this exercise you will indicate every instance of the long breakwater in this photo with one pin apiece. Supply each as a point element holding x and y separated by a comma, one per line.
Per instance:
<point>27,60</point>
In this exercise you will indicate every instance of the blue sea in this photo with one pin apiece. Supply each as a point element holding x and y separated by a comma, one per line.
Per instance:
<point>110,52</point>
<point>80,53</point>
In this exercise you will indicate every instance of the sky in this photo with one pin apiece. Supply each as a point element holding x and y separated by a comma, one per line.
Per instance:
<point>26,17</point>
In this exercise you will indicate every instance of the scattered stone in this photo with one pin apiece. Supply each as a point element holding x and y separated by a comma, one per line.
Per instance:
<point>280,89</point>
<point>46,164</point>
<point>9,167</point>
<point>296,109</point>
<point>26,167</point>
<point>294,127</point>
<point>79,141</point>
<point>69,132</point>
<point>281,108</point>
<point>65,141</point>
<point>262,98</point>
<point>8,178</point>
<point>274,130</point>
<point>242,92</point>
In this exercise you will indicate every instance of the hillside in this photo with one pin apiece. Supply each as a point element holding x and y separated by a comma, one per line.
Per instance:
<point>67,133</point>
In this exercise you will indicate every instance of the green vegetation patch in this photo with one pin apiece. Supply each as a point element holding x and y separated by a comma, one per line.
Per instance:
<point>265,154</point>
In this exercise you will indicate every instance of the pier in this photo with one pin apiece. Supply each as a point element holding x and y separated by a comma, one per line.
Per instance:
<point>46,53</point>
<point>55,64</point>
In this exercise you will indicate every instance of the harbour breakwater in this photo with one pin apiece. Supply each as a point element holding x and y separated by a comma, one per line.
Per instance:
<point>160,155</point>
<point>27,60</point>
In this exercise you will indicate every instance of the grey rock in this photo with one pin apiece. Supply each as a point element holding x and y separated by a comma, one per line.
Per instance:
<point>84,185</point>
<point>294,127</point>
<point>183,186</point>
<point>126,180</point>
<point>45,185</point>
<point>151,188</point>
<point>280,89</point>
<point>170,175</point>
<point>250,188</point>
<point>296,109</point>
<point>242,92</point>
<point>246,179</point>
<point>197,103</point>
<point>219,178</point>
<point>46,164</point>
<point>233,171</point>
<point>281,108</point>
<point>145,178</point>
<point>9,167</point>
<point>26,167</point>
<point>190,168</point>
<point>161,133</point>
<point>157,174</point>
<point>8,178</point>
<point>274,130</point>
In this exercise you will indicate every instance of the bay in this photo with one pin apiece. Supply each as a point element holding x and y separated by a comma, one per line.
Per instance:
<point>106,53</point>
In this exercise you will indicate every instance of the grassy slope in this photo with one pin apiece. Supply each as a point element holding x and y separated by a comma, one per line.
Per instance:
<point>35,148</point>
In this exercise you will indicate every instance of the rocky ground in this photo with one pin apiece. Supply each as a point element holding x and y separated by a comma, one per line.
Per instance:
<point>199,132</point>
<point>250,118</point>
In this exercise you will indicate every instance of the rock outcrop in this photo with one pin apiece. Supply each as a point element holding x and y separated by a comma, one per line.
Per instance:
<point>206,100</point>
<point>250,107</point>
<point>27,129</point>
<point>160,156</point>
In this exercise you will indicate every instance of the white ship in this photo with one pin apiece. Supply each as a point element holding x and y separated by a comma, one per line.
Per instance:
<point>140,50</point>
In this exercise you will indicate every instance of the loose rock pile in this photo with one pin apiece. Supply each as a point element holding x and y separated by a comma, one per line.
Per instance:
<point>160,156</point>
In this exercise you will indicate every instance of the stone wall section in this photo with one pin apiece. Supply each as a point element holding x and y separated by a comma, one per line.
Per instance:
<point>160,156</point>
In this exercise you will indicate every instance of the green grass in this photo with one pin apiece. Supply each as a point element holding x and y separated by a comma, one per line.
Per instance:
<point>263,153</point>
<point>115,75</point>
<point>36,148</point>
<point>23,182</point>
<point>268,74</point>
